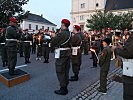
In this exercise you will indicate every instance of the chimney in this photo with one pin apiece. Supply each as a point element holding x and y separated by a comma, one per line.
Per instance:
<point>41,15</point>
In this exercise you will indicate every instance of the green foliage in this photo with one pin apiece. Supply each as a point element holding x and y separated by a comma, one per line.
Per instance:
<point>9,8</point>
<point>102,20</point>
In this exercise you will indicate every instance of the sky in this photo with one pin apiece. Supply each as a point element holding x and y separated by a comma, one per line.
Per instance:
<point>53,10</point>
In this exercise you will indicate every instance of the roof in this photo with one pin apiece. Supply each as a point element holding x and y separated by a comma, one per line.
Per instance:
<point>38,18</point>
<point>118,4</point>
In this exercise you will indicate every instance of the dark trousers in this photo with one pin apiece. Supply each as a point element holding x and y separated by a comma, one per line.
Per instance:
<point>45,51</point>
<point>86,48</point>
<point>33,48</point>
<point>95,60</point>
<point>127,88</point>
<point>62,70</point>
<point>27,50</point>
<point>75,64</point>
<point>103,80</point>
<point>12,57</point>
<point>39,51</point>
<point>4,54</point>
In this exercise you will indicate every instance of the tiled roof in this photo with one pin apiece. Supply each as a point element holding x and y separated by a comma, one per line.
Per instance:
<point>118,4</point>
<point>38,18</point>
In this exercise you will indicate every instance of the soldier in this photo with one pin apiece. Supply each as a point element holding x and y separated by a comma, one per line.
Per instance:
<point>21,44</point>
<point>39,43</point>
<point>126,52</point>
<point>3,48</point>
<point>76,43</point>
<point>11,45</point>
<point>61,42</point>
<point>26,38</point>
<point>46,46</point>
<point>86,41</point>
<point>96,47</point>
<point>104,63</point>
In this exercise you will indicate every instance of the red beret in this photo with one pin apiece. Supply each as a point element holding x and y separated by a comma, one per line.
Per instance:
<point>66,21</point>
<point>77,27</point>
<point>12,19</point>
<point>109,28</point>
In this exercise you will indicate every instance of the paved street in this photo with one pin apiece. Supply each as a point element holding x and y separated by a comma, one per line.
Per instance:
<point>43,81</point>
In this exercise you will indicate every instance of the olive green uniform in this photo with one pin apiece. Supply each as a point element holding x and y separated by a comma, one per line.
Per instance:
<point>104,63</point>
<point>127,53</point>
<point>76,42</point>
<point>3,48</point>
<point>11,46</point>
<point>26,38</point>
<point>62,40</point>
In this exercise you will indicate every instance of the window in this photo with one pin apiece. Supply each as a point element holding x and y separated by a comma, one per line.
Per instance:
<point>36,27</point>
<point>52,28</point>
<point>82,5</point>
<point>82,17</point>
<point>97,4</point>
<point>43,27</point>
<point>48,28</point>
<point>29,26</point>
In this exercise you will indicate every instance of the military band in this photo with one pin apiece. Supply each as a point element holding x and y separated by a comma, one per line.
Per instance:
<point>68,47</point>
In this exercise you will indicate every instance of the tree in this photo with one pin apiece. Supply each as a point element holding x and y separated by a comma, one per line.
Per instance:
<point>9,8</point>
<point>102,20</point>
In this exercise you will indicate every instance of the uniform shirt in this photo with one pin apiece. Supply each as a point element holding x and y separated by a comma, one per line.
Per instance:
<point>105,57</point>
<point>127,50</point>
<point>76,40</point>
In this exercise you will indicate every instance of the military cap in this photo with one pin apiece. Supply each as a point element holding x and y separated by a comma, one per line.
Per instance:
<point>66,21</point>
<point>77,27</point>
<point>12,19</point>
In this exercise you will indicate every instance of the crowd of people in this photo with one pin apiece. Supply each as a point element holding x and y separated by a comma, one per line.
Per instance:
<point>68,46</point>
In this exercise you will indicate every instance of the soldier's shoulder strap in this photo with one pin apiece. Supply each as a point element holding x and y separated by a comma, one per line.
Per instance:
<point>67,39</point>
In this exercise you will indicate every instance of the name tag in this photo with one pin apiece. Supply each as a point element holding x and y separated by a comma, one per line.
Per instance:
<point>74,51</point>
<point>57,53</point>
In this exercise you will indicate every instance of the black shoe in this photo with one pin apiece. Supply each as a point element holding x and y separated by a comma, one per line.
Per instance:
<point>62,91</point>
<point>4,65</point>
<point>90,57</point>
<point>101,91</point>
<point>47,61</point>
<point>74,78</point>
<point>28,62</point>
<point>44,61</point>
<point>94,67</point>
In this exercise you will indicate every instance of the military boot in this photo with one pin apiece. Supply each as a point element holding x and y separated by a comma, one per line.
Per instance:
<point>4,64</point>
<point>74,78</point>
<point>61,91</point>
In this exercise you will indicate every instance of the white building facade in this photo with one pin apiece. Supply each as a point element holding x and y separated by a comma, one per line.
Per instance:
<point>36,22</point>
<point>83,9</point>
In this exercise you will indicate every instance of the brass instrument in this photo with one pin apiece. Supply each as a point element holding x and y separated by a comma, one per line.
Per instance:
<point>113,44</point>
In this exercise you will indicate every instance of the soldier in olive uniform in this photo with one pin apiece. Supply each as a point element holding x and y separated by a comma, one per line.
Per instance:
<point>126,52</point>
<point>76,43</point>
<point>104,63</point>
<point>26,38</point>
<point>86,41</point>
<point>45,46</point>
<point>62,42</point>
<point>3,48</point>
<point>12,36</point>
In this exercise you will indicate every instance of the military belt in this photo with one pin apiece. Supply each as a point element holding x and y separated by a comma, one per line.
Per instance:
<point>11,40</point>
<point>2,43</point>
<point>27,41</point>
<point>64,48</point>
<point>78,47</point>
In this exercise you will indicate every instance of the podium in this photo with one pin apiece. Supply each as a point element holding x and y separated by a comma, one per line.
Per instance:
<point>11,81</point>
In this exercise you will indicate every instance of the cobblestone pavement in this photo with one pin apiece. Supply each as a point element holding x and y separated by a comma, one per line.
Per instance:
<point>43,81</point>
<point>114,90</point>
